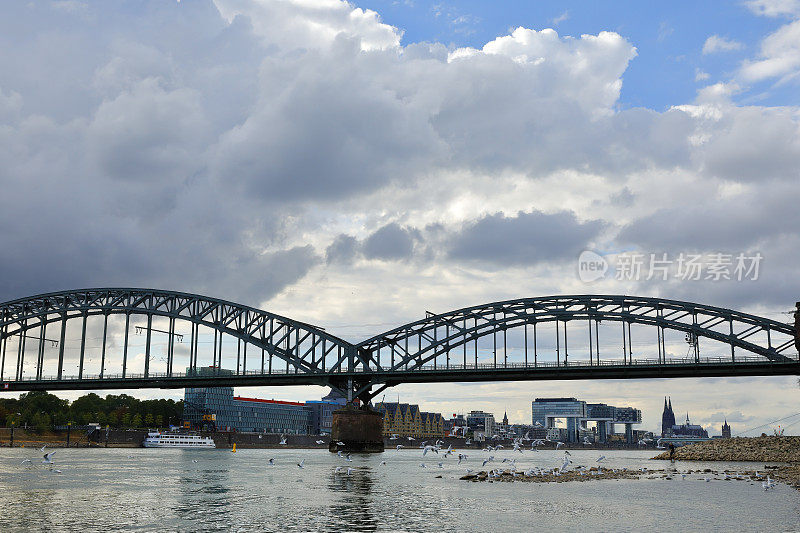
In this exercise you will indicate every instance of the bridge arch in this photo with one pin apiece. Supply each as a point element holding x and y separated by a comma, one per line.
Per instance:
<point>306,348</point>
<point>417,344</point>
<point>419,351</point>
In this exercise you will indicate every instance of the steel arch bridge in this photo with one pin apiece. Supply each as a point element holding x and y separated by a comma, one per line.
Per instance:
<point>119,338</point>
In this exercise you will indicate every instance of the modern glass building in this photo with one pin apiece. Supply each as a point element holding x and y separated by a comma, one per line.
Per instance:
<point>481,422</point>
<point>577,413</point>
<point>544,411</point>
<point>322,412</point>
<point>236,413</point>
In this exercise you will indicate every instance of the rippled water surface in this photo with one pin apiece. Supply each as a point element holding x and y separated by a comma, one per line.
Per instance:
<point>184,490</point>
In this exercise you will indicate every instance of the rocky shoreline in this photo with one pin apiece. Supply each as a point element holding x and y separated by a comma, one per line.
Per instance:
<point>769,475</point>
<point>766,449</point>
<point>769,449</point>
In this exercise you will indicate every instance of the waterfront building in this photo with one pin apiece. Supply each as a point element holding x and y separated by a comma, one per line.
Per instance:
<point>533,432</point>
<point>407,420</point>
<point>237,413</point>
<point>726,430</point>
<point>480,422</point>
<point>322,412</point>
<point>456,426</point>
<point>557,434</point>
<point>545,411</point>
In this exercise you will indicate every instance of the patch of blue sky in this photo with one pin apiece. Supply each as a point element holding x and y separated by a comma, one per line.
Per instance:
<point>669,37</point>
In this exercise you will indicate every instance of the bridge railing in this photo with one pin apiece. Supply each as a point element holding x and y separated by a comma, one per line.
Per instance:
<point>540,365</point>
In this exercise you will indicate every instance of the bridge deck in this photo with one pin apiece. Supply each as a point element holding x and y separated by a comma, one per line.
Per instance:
<point>636,369</point>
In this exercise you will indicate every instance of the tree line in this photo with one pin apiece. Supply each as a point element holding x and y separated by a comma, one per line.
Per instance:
<point>41,411</point>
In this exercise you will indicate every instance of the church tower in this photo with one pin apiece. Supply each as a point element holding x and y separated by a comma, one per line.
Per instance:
<point>726,430</point>
<point>667,418</point>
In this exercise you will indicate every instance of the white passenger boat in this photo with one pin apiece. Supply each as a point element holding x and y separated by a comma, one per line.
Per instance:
<point>156,439</point>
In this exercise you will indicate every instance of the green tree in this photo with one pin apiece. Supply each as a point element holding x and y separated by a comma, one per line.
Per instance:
<point>125,421</point>
<point>159,420</point>
<point>41,422</point>
<point>89,403</point>
<point>137,421</point>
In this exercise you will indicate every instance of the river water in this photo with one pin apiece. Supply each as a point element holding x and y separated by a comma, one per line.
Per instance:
<point>216,490</point>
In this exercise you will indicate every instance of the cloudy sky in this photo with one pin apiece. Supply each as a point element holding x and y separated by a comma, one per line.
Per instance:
<point>355,164</point>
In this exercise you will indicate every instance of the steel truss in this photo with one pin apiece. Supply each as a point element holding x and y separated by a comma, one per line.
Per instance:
<point>440,347</point>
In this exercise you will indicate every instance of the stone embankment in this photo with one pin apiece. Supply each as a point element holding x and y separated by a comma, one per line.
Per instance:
<point>762,449</point>
<point>767,449</point>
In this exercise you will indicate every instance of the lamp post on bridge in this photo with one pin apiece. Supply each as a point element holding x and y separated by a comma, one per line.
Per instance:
<point>797,327</point>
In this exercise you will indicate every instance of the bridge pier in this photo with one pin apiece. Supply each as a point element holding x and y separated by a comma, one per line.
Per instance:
<point>357,426</point>
<point>358,429</point>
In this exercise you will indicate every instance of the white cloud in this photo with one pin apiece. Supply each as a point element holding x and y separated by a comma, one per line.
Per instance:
<point>317,23</point>
<point>779,56</point>
<point>700,75</point>
<point>774,8</point>
<point>715,43</point>
<point>561,18</point>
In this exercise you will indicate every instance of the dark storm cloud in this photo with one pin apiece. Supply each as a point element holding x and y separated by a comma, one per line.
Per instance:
<point>390,242</point>
<point>524,239</point>
<point>342,250</point>
<point>718,223</point>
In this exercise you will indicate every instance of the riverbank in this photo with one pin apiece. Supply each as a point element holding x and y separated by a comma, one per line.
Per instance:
<point>790,475</point>
<point>767,449</point>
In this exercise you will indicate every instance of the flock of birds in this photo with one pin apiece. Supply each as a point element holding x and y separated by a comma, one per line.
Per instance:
<point>437,448</point>
<point>517,445</point>
<point>47,459</point>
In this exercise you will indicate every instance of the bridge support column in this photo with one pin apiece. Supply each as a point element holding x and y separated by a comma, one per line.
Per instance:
<point>357,426</point>
<point>797,327</point>
<point>358,429</point>
<point>629,433</point>
<point>602,431</point>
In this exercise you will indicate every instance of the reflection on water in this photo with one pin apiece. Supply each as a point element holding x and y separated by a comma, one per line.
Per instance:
<point>215,490</point>
<point>353,512</point>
